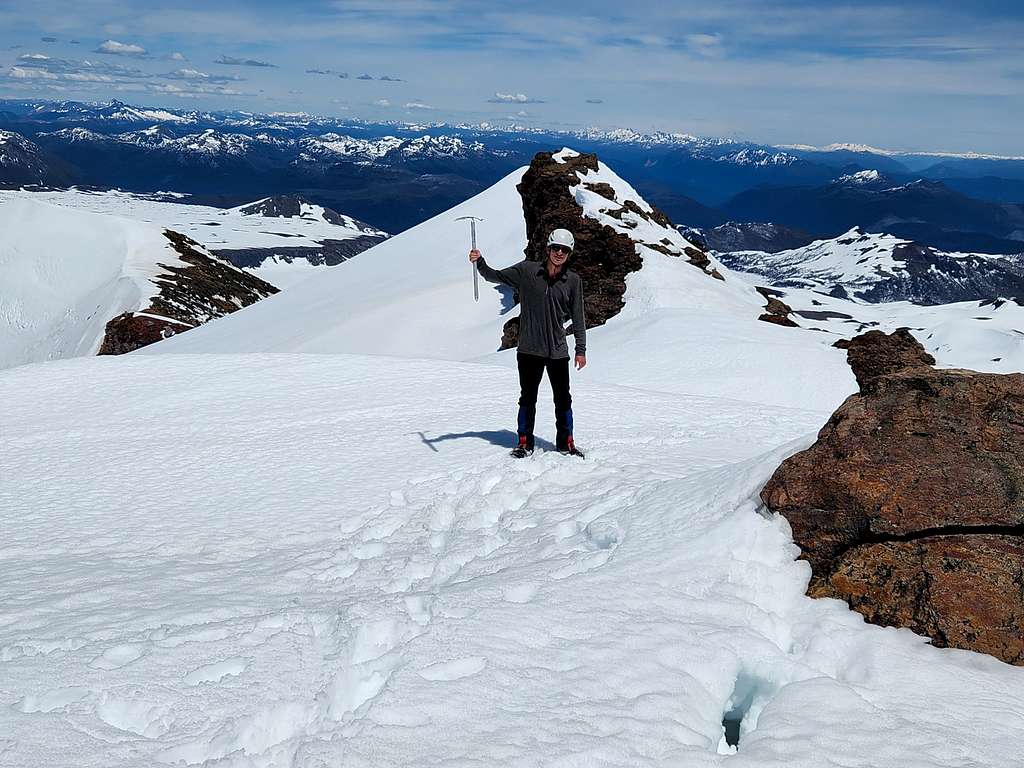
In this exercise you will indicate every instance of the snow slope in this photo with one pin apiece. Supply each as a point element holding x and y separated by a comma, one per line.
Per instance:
<point>65,273</point>
<point>412,296</point>
<point>407,595</point>
<point>216,228</point>
<point>329,559</point>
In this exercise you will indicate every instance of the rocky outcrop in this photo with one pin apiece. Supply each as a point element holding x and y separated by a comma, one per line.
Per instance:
<point>776,311</point>
<point>202,290</point>
<point>875,354</point>
<point>910,505</point>
<point>603,257</point>
<point>604,254</point>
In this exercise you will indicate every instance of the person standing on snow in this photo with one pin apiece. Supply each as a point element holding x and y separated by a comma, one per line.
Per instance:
<point>549,294</point>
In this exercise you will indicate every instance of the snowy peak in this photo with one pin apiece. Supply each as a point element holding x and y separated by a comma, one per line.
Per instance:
<point>388,149</point>
<point>755,156</point>
<point>880,268</point>
<point>861,178</point>
<point>118,111</point>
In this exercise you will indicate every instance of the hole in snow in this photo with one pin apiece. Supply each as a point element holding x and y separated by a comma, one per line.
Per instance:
<point>749,696</point>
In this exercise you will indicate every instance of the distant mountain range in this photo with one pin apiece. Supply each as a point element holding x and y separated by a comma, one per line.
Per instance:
<point>396,175</point>
<point>882,268</point>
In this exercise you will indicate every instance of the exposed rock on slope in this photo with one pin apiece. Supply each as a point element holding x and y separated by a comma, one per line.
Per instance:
<point>776,310</point>
<point>74,283</point>
<point>910,504</point>
<point>611,223</point>
<point>202,290</point>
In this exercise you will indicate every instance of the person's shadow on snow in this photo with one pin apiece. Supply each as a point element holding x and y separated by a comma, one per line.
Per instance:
<point>504,438</point>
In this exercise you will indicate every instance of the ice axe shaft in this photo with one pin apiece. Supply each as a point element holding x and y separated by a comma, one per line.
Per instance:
<point>472,233</point>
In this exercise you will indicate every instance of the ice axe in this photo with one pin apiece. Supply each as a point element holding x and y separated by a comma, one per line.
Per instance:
<point>472,233</point>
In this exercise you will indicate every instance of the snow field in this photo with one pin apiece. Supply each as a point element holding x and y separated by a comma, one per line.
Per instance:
<point>265,560</point>
<point>215,228</point>
<point>65,273</point>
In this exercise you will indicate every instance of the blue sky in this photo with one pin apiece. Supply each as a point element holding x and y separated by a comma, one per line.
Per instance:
<point>908,75</point>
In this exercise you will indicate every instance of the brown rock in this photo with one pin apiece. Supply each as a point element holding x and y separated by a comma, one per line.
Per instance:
<point>127,332</point>
<point>768,317</point>
<point>910,505</point>
<point>202,290</point>
<point>875,353</point>
<point>777,311</point>
<point>603,257</point>
<point>921,584</point>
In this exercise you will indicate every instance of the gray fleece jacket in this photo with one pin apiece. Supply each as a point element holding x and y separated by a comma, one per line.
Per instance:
<point>546,304</point>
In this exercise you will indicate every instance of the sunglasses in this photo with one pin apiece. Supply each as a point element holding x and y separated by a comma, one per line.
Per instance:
<point>560,248</point>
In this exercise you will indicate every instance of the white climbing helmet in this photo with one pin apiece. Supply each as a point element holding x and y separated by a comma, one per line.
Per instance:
<point>561,237</point>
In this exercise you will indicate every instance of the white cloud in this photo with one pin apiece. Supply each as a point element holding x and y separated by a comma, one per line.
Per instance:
<point>418,105</point>
<point>191,90</point>
<point>382,103</point>
<point>21,73</point>
<point>705,45</point>
<point>33,57</point>
<point>120,49</point>
<point>513,98</point>
<point>177,56</point>
<point>234,61</point>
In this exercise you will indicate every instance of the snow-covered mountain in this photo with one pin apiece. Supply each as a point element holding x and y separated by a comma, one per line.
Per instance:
<point>351,310</point>
<point>77,283</point>
<point>754,236</point>
<point>883,268</point>
<point>325,559</point>
<point>22,162</point>
<point>281,240</point>
<point>114,112</point>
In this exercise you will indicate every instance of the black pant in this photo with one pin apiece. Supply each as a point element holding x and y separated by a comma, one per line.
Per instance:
<point>531,370</point>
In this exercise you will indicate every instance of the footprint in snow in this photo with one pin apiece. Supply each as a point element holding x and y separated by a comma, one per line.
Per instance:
<point>453,670</point>
<point>51,701</point>
<point>119,656</point>
<point>215,672</point>
<point>520,593</point>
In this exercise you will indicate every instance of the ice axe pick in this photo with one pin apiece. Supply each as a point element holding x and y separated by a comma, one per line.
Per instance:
<point>472,233</point>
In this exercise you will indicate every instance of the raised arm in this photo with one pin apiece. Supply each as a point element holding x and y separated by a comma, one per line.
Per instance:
<point>509,275</point>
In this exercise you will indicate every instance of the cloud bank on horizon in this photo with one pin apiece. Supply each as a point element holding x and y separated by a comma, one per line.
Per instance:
<point>907,74</point>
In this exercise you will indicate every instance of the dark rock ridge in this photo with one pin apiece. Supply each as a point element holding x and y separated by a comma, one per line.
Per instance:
<point>910,505</point>
<point>204,290</point>
<point>602,257</point>
<point>23,162</point>
<point>940,215</point>
<point>755,236</point>
<point>329,252</point>
<point>288,206</point>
